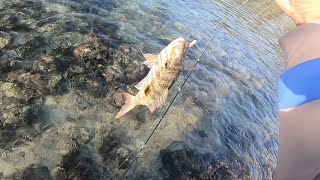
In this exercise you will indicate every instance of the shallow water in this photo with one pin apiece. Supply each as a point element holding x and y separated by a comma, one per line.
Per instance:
<point>64,64</point>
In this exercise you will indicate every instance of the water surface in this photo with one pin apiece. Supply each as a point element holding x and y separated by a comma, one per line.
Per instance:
<point>64,64</point>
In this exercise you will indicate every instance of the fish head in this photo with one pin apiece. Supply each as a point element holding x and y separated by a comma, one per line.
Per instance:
<point>177,49</point>
<point>181,41</point>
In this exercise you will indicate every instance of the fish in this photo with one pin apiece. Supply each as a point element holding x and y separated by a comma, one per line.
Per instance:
<point>164,68</point>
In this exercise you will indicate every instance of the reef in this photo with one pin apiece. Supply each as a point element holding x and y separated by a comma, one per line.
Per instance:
<point>38,61</point>
<point>63,69</point>
<point>182,162</point>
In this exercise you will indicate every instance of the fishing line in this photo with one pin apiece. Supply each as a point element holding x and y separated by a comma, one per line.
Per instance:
<point>151,131</point>
<point>144,143</point>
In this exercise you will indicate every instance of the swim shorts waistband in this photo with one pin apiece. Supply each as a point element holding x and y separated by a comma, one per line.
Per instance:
<point>300,84</point>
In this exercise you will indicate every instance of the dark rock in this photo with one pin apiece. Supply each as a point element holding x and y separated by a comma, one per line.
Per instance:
<point>202,133</point>
<point>181,162</point>
<point>42,55</point>
<point>118,98</point>
<point>114,152</point>
<point>7,135</point>
<point>34,172</point>
<point>79,164</point>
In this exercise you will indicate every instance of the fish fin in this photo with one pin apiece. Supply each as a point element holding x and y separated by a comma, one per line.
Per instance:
<point>162,99</point>
<point>152,107</point>
<point>127,106</point>
<point>140,85</point>
<point>148,64</point>
<point>192,43</point>
<point>151,59</point>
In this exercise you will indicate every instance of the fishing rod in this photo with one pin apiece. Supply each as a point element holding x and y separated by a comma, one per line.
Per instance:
<point>144,144</point>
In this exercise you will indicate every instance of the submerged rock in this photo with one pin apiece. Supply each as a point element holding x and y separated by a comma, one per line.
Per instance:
<point>34,172</point>
<point>43,56</point>
<point>80,164</point>
<point>118,98</point>
<point>181,162</point>
<point>114,151</point>
<point>5,39</point>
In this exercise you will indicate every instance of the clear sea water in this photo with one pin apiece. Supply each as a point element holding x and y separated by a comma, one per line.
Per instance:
<point>230,100</point>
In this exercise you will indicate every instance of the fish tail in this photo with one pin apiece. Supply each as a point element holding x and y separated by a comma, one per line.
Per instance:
<point>127,106</point>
